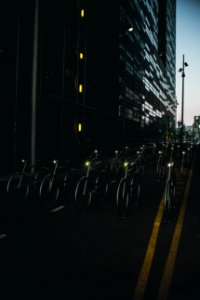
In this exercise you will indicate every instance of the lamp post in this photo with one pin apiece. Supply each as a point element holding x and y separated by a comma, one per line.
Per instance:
<point>176,105</point>
<point>182,70</point>
<point>127,31</point>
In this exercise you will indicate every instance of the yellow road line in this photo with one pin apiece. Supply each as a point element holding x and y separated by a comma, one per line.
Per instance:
<point>146,267</point>
<point>169,266</point>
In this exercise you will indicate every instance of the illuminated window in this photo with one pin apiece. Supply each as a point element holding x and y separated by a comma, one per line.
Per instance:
<point>81,55</point>
<point>79,127</point>
<point>80,88</point>
<point>82,13</point>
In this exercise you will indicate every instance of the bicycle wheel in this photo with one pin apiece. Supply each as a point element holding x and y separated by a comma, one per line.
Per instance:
<point>122,198</point>
<point>17,187</point>
<point>83,195</point>
<point>49,191</point>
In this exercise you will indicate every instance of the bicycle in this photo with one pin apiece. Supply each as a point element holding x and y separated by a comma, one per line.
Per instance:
<point>128,189</point>
<point>113,172</point>
<point>170,189</point>
<point>183,164</point>
<point>122,196</point>
<point>87,186</point>
<point>49,189</point>
<point>160,169</point>
<point>67,177</point>
<point>17,187</point>
<point>135,186</point>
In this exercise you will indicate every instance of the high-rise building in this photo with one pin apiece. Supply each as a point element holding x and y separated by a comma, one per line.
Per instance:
<point>131,48</point>
<point>84,74</point>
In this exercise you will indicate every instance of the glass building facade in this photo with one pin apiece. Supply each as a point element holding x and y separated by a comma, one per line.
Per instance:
<point>131,66</point>
<point>96,73</point>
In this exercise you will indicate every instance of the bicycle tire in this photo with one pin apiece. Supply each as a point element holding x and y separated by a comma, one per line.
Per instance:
<point>17,187</point>
<point>122,198</point>
<point>49,191</point>
<point>82,195</point>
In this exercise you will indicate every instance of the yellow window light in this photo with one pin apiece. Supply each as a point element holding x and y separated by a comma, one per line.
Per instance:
<point>81,55</point>
<point>82,13</point>
<point>80,88</point>
<point>79,127</point>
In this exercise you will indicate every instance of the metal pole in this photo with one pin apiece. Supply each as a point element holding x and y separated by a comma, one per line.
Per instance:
<point>124,93</point>
<point>62,94</point>
<point>182,108</point>
<point>34,85</point>
<point>16,88</point>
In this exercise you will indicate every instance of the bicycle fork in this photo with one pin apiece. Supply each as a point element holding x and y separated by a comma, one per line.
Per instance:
<point>21,176</point>
<point>168,192</point>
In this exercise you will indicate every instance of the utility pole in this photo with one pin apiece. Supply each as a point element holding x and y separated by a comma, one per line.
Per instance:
<point>182,70</point>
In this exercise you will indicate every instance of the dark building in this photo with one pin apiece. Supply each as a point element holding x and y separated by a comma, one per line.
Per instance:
<point>131,66</point>
<point>82,74</point>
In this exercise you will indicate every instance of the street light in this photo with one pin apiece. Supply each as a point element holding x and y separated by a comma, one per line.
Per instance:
<point>182,70</point>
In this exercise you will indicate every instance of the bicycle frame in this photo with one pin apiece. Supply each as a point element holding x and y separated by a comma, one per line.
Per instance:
<point>18,182</point>
<point>55,162</point>
<point>89,164</point>
<point>183,163</point>
<point>122,197</point>
<point>22,172</point>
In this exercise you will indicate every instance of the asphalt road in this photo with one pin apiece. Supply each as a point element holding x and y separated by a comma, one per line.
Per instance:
<point>68,254</point>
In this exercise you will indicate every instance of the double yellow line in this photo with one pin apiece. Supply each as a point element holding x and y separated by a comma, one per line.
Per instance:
<point>170,262</point>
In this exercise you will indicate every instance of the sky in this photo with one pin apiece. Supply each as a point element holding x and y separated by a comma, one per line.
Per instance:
<point>188,44</point>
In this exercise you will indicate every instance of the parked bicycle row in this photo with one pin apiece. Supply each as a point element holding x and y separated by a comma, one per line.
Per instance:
<point>98,179</point>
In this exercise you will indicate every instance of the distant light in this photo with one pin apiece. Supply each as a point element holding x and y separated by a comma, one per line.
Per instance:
<point>130,29</point>
<point>81,55</point>
<point>80,88</point>
<point>82,13</point>
<point>126,164</point>
<point>170,164</point>
<point>87,163</point>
